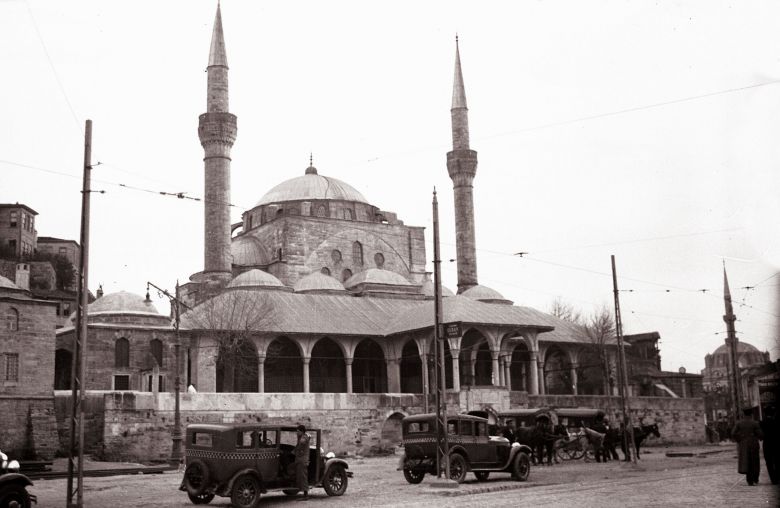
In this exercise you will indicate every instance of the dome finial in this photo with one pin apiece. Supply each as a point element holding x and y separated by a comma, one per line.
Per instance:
<point>311,170</point>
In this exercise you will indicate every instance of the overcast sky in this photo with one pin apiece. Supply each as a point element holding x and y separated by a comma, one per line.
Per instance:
<point>647,130</point>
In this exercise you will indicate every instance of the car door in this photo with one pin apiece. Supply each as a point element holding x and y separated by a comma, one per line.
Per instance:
<point>267,458</point>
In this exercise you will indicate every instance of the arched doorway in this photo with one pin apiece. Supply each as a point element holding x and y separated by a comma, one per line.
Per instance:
<point>411,369</point>
<point>476,362</point>
<point>557,372</point>
<point>391,432</point>
<point>237,366</point>
<point>518,368</point>
<point>283,367</point>
<point>63,361</point>
<point>369,370</point>
<point>327,370</point>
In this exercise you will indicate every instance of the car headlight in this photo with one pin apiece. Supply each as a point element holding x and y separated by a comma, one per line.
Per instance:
<point>3,456</point>
<point>330,455</point>
<point>13,466</point>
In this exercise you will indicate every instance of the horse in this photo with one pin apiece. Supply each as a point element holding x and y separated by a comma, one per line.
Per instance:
<point>540,439</point>
<point>640,433</point>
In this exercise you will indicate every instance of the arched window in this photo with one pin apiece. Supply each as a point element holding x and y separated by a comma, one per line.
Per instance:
<point>347,214</point>
<point>357,253</point>
<point>321,211</point>
<point>335,255</point>
<point>325,270</point>
<point>122,352</point>
<point>346,274</point>
<point>157,351</point>
<point>379,259</point>
<point>12,319</point>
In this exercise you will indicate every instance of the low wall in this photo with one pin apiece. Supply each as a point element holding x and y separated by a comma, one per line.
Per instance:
<point>29,427</point>
<point>94,406</point>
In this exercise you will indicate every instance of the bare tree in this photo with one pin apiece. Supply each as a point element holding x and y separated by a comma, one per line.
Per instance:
<point>601,334</point>
<point>565,310</point>
<point>232,319</point>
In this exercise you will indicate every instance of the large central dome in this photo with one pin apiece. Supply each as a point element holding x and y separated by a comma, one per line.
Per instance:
<point>311,186</point>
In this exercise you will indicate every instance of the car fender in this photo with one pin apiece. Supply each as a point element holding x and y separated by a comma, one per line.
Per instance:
<point>461,451</point>
<point>334,461</point>
<point>517,448</point>
<point>248,470</point>
<point>17,478</point>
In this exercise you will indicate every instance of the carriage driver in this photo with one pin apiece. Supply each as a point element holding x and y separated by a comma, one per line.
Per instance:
<point>301,452</point>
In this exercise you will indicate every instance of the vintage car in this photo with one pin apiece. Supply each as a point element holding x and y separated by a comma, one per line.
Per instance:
<point>470,449</point>
<point>243,461</point>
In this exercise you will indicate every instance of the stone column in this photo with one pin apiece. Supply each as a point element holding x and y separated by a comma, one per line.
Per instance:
<point>424,367</point>
<point>306,361</point>
<point>540,372</point>
<point>455,353</point>
<point>684,394</point>
<point>533,375</point>
<point>523,377</point>
<point>508,372</point>
<point>495,378</point>
<point>574,378</point>
<point>501,371</point>
<point>393,375</point>
<point>261,373</point>
<point>348,362</point>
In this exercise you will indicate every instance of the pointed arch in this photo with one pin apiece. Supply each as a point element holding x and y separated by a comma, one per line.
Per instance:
<point>237,369</point>
<point>557,372</point>
<point>369,369</point>
<point>121,353</point>
<point>283,366</point>
<point>411,368</point>
<point>327,370</point>
<point>475,361</point>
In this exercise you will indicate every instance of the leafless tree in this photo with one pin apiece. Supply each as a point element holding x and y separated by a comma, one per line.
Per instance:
<point>601,334</point>
<point>232,319</point>
<point>565,310</point>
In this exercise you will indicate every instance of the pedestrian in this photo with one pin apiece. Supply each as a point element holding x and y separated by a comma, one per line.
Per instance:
<point>747,433</point>
<point>508,430</point>
<point>301,452</point>
<point>610,441</point>
<point>598,445</point>
<point>771,443</point>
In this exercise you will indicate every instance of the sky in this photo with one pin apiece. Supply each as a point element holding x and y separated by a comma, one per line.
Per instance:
<point>644,130</point>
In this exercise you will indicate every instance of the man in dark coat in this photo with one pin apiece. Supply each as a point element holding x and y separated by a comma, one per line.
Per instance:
<point>771,443</point>
<point>301,452</point>
<point>508,430</point>
<point>747,433</point>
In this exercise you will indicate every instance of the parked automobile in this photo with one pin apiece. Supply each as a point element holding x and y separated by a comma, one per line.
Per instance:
<point>470,449</point>
<point>13,485</point>
<point>243,461</point>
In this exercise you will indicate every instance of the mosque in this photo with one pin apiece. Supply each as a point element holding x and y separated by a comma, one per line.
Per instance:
<point>318,290</point>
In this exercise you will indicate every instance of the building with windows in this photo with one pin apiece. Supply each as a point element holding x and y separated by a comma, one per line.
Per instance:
<point>18,237</point>
<point>26,374</point>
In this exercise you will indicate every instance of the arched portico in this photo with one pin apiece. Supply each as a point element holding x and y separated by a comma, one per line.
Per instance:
<point>475,361</point>
<point>411,368</point>
<point>369,368</point>
<point>283,366</point>
<point>237,369</point>
<point>558,378</point>
<point>327,370</point>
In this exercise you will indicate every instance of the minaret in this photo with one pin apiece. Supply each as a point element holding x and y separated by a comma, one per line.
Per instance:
<point>462,167</point>
<point>217,132</point>
<point>731,341</point>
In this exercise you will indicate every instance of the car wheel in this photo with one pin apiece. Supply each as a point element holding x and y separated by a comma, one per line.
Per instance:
<point>246,492</point>
<point>196,478</point>
<point>482,475</point>
<point>335,481</point>
<point>204,498</point>
<point>413,476</point>
<point>458,467</point>
<point>15,494</point>
<point>290,492</point>
<point>521,467</point>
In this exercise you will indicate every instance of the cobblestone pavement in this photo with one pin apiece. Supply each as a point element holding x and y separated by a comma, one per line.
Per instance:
<point>702,480</point>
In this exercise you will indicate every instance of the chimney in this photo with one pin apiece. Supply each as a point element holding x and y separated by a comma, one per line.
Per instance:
<point>23,275</point>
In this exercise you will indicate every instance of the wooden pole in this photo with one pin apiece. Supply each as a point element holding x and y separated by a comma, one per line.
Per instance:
<point>78,370</point>
<point>628,426</point>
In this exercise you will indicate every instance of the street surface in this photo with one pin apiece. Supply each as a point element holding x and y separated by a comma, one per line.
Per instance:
<point>703,480</point>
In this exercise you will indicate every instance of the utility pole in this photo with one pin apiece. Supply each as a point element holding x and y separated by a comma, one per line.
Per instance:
<point>175,459</point>
<point>79,365</point>
<point>442,453</point>
<point>628,426</point>
<point>731,341</point>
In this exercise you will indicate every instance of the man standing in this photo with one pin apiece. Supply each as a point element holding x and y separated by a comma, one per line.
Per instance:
<point>301,452</point>
<point>508,430</point>
<point>746,433</point>
<point>771,443</point>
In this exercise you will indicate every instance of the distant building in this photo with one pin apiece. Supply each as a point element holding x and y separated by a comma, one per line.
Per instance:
<point>27,414</point>
<point>69,249</point>
<point>646,378</point>
<point>18,237</point>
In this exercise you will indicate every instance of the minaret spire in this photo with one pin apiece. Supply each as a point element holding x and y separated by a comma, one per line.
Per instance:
<point>462,168</point>
<point>731,341</point>
<point>217,131</point>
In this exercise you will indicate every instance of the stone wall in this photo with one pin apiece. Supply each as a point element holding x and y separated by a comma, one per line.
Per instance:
<point>94,407</point>
<point>29,427</point>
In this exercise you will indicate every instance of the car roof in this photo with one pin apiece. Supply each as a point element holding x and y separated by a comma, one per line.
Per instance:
<point>576,411</point>
<point>226,427</point>
<point>428,416</point>
<point>520,412</point>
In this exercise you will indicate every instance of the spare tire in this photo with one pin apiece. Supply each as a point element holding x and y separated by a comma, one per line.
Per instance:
<point>196,478</point>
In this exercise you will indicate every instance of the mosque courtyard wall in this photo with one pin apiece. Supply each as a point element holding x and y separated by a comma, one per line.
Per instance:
<point>136,426</point>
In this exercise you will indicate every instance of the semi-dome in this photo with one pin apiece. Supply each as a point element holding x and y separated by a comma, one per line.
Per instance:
<point>485,294</point>
<point>121,302</point>
<point>248,251</point>
<point>318,282</point>
<point>311,186</point>
<point>255,279</point>
<point>377,276</point>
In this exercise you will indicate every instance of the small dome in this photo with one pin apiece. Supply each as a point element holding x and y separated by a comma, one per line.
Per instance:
<point>255,278</point>
<point>248,251</point>
<point>428,290</point>
<point>485,294</point>
<point>122,302</point>
<point>377,276</point>
<point>311,186</point>
<point>318,282</point>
